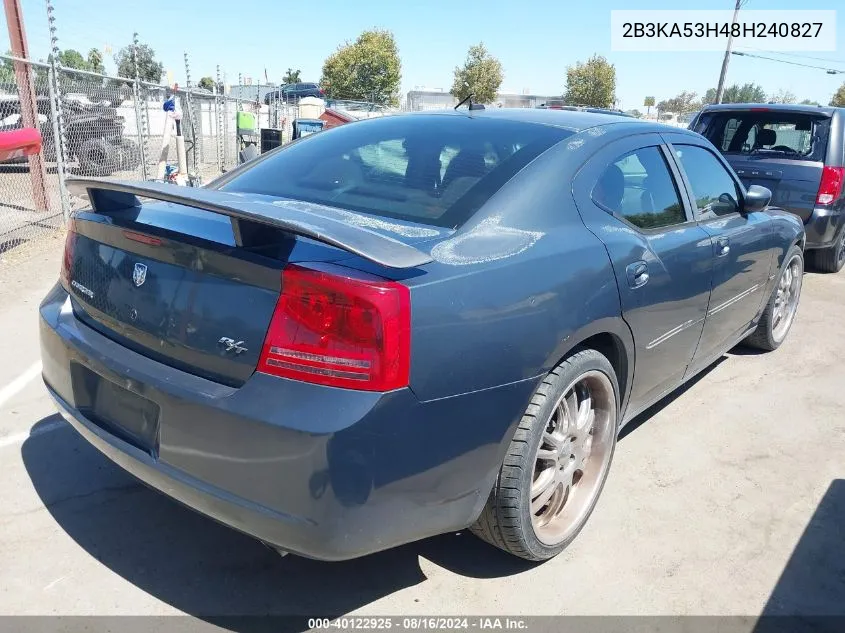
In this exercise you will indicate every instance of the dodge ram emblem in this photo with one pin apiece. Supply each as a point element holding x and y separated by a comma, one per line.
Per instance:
<point>139,275</point>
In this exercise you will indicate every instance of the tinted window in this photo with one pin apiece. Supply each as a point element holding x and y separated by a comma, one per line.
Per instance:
<point>769,133</point>
<point>639,187</point>
<point>714,189</point>
<point>436,169</point>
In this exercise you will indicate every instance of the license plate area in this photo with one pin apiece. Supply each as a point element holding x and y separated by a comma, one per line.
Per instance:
<point>125,414</point>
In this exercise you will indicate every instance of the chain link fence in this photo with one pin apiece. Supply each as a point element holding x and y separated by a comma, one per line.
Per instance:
<point>98,125</point>
<point>30,188</point>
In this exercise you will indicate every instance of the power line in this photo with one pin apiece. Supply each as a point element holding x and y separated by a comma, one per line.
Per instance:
<point>819,59</point>
<point>829,71</point>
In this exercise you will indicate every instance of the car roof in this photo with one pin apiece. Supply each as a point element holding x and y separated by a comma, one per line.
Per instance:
<point>574,120</point>
<point>774,107</point>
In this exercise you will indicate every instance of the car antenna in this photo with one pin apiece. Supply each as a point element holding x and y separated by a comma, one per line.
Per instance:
<point>472,106</point>
<point>464,100</point>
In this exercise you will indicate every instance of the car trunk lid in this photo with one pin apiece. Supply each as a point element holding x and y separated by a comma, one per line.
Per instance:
<point>193,279</point>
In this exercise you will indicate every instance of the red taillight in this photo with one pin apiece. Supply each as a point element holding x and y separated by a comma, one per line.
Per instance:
<point>831,185</point>
<point>67,257</point>
<point>340,331</point>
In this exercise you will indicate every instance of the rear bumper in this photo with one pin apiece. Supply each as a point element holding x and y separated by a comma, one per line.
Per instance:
<point>824,227</point>
<point>322,472</point>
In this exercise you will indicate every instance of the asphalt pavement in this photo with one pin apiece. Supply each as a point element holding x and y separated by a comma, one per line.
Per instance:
<point>727,498</point>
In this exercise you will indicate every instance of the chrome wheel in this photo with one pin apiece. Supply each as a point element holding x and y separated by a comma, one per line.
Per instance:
<point>573,457</point>
<point>786,300</point>
<point>840,257</point>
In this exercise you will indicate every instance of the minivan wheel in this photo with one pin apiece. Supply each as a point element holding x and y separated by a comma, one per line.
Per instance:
<point>557,462</point>
<point>830,260</point>
<point>779,314</point>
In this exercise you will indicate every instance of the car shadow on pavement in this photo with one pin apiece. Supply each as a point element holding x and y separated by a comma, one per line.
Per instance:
<point>810,593</point>
<point>664,402</point>
<point>210,571</point>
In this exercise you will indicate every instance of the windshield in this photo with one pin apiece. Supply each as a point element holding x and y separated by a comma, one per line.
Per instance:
<point>798,136</point>
<point>434,169</point>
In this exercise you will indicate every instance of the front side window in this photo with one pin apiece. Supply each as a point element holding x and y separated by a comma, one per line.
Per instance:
<point>639,187</point>
<point>713,188</point>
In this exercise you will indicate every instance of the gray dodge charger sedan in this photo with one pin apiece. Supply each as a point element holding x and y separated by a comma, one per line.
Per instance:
<point>413,324</point>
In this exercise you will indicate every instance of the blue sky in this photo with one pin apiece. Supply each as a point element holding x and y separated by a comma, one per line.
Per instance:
<point>535,40</point>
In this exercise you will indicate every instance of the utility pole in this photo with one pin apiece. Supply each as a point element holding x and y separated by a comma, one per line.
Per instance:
<point>720,90</point>
<point>26,94</point>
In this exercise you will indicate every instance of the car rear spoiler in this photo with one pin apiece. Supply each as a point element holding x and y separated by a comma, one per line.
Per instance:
<point>113,195</point>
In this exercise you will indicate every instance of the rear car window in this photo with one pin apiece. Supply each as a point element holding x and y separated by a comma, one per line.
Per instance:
<point>434,169</point>
<point>794,135</point>
<point>639,187</point>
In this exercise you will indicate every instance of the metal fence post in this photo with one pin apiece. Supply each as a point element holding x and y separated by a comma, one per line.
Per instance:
<point>191,115</point>
<point>218,118</point>
<point>136,96</point>
<point>226,152</point>
<point>58,134</point>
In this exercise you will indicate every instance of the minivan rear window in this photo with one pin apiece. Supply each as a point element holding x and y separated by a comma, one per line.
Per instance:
<point>790,135</point>
<point>433,168</point>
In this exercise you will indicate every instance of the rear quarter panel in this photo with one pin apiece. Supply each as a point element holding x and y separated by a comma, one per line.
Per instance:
<point>514,289</point>
<point>788,230</point>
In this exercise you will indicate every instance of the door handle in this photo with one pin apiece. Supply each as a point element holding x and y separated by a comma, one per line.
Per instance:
<point>723,247</point>
<point>637,274</point>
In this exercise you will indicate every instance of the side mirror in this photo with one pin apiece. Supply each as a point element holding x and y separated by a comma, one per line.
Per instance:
<point>757,198</point>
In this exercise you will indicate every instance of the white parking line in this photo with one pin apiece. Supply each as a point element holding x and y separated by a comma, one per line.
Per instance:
<point>20,438</point>
<point>19,383</point>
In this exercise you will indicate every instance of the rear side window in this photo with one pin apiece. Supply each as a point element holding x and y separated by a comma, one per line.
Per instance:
<point>714,189</point>
<point>434,169</point>
<point>768,133</point>
<point>639,187</point>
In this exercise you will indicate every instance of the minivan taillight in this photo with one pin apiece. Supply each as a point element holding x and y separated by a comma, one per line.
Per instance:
<point>339,330</point>
<point>831,185</point>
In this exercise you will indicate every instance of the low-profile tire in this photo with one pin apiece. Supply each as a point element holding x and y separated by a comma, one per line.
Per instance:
<point>829,260</point>
<point>97,157</point>
<point>779,313</point>
<point>557,461</point>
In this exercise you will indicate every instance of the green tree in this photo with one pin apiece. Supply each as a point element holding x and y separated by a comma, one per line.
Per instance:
<point>291,76</point>
<point>73,59</point>
<point>746,93</point>
<point>648,102</point>
<point>591,83</point>
<point>480,76</point>
<point>810,102</point>
<point>838,99</point>
<point>782,96</point>
<point>95,61</point>
<point>148,68</point>
<point>367,69</point>
<point>7,73</point>
<point>207,83</point>
<point>684,103</point>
